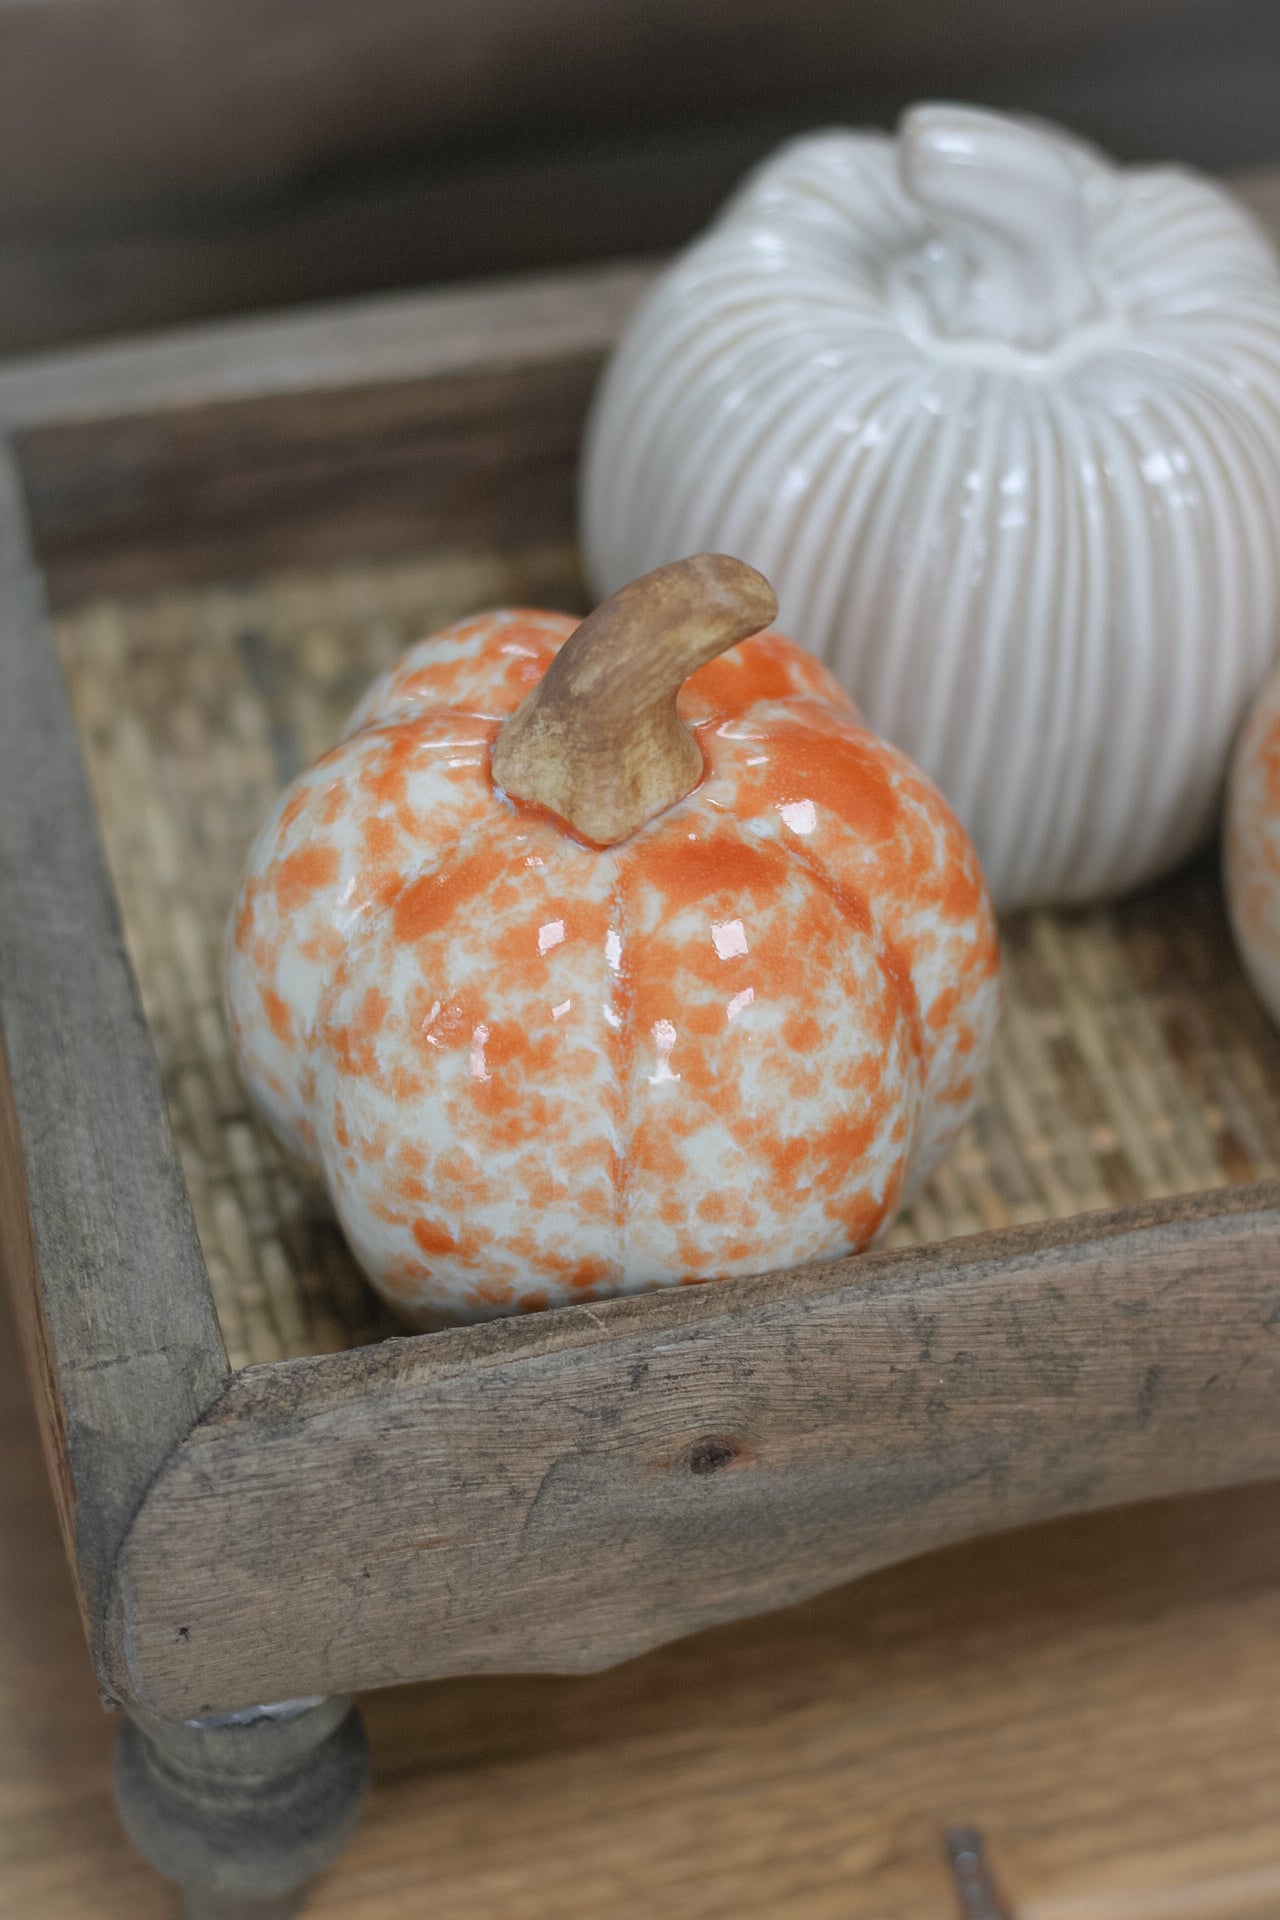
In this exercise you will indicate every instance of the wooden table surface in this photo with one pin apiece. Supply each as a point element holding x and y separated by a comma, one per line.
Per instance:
<point>1101,1697</point>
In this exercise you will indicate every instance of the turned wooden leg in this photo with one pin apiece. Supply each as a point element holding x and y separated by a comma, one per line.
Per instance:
<point>242,1808</point>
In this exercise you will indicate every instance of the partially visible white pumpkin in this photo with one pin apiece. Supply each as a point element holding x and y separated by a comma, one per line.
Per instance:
<point>1251,845</point>
<point>1001,421</point>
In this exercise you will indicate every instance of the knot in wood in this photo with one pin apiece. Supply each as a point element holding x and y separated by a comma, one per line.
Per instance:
<point>711,1453</point>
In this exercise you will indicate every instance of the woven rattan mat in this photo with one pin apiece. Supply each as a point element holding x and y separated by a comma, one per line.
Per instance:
<point>1133,1061</point>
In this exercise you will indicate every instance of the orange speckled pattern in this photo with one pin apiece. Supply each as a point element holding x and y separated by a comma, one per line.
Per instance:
<point>1252,846</point>
<point>532,1072</point>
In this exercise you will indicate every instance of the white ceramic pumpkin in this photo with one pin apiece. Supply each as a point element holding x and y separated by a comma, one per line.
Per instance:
<point>1001,422</point>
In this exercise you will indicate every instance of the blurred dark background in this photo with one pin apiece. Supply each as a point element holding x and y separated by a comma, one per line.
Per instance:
<point>167,160</point>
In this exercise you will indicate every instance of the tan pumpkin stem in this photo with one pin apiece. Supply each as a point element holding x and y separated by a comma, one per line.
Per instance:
<point>599,741</point>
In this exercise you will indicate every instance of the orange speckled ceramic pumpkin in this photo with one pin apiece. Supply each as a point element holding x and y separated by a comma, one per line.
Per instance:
<point>597,957</point>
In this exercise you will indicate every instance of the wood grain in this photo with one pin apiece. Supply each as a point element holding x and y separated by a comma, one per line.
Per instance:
<point>1101,1695</point>
<point>484,460</point>
<point>390,341</point>
<point>157,163</point>
<point>98,1239</point>
<point>1100,1698</point>
<point>561,1492</point>
<point>375,429</point>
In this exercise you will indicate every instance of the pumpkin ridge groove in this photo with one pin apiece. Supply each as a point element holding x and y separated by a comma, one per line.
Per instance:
<point>858,910</point>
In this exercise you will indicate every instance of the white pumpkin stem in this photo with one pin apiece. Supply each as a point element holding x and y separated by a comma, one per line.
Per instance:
<point>1010,260</point>
<point>599,741</point>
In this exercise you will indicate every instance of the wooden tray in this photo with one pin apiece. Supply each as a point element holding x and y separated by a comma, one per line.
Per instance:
<point>1133,1062</point>
<point>264,1497</point>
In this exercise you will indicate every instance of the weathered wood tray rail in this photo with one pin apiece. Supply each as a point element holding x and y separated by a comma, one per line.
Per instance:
<point>554,1493</point>
<point>564,1491</point>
